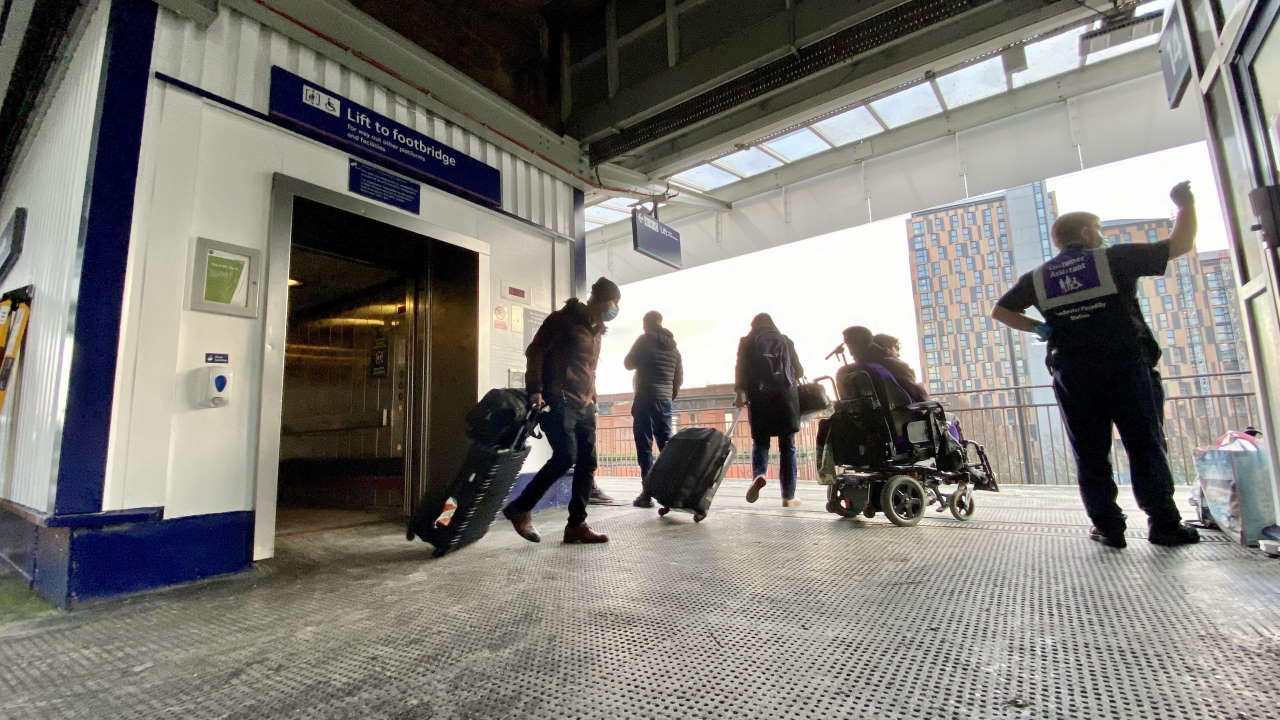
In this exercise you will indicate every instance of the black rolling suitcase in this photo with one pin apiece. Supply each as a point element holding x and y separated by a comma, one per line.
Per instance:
<point>689,470</point>
<point>498,427</point>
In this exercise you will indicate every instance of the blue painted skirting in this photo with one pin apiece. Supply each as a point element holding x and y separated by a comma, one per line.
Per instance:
<point>120,553</point>
<point>557,495</point>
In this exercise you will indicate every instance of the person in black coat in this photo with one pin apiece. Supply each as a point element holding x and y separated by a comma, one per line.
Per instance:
<point>766,381</point>
<point>659,374</point>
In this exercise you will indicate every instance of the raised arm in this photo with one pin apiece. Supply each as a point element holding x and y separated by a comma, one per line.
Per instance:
<point>1183,238</point>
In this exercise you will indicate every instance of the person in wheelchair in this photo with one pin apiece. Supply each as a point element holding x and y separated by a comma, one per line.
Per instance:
<point>873,356</point>
<point>897,443</point>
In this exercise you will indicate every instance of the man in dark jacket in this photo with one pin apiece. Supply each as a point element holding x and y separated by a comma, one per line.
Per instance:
<point>765,378</point>
<point>659,374</point>
<point>561,374</point>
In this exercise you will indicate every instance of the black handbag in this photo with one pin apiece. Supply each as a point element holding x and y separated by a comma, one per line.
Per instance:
<point>813,399</point>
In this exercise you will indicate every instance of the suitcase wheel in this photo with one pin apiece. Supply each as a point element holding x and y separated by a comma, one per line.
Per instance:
<point>439,552</point>
<point>663,511</point>
<point>698,517</point>
<point>409,534</point>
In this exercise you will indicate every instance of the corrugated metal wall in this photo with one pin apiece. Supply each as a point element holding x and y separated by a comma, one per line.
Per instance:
<point>49,182</point>
<point>232,58</point>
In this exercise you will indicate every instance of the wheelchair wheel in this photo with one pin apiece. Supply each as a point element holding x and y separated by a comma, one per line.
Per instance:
<point>903,500</point>
<point>961,503</point>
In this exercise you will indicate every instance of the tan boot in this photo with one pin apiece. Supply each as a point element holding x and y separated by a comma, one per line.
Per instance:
<point>753,492</point>
<point>791,502</point>
<point>583,534</point>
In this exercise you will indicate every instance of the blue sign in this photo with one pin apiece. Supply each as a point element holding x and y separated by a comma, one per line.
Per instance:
<point>326,116</point>
<point>378,184</point>
<point>652,238</point>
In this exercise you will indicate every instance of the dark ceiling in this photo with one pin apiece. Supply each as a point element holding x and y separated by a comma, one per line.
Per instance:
<point>509,46</point>
<point>684,83</point>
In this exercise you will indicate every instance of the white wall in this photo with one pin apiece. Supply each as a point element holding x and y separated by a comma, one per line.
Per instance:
<point>207,172</point>
<point>1085,131</point>
<point>232,58</point>
<point>49,181</point>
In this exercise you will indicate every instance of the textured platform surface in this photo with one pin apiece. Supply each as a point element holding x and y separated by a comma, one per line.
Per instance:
<point>757,612</point>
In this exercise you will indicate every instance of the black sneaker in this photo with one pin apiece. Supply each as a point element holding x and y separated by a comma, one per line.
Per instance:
<point>1114,540</point>
<point>642,501</point>
<point>1175,535</point>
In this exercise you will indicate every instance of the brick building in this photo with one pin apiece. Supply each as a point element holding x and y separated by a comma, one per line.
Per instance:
<point>964,256</point>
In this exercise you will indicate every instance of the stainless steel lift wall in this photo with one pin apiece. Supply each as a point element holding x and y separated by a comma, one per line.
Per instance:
<point>1054,127</point>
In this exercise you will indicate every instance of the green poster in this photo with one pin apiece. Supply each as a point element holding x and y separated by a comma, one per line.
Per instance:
<point>221,278</point>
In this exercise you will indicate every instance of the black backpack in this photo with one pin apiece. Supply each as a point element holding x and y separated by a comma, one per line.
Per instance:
<point>498,418</point>
<point>773,361</point>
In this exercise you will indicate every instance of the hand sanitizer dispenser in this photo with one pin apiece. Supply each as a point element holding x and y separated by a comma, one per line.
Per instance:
<point>217,386</point>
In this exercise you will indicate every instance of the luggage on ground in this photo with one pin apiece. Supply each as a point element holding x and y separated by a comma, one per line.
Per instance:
<point>498,425</point>
<point>689,470</point>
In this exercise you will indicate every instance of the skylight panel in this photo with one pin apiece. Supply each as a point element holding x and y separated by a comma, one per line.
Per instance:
<point>907,106</point>
<point>748,162</point>
<point>705,177</point>
<point>799,144</point>
<point>619,204</point>
<point>1051,56</point>
<point>604,216</point>
<point>973,83</point>
<point>1122,48</point>
<point>849,126</point>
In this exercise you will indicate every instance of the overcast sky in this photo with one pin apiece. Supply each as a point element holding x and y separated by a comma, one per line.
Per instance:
<point>815,288</point>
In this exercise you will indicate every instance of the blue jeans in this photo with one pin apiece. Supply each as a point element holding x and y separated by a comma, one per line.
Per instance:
<point>650,422</point>
<point>787,458</point>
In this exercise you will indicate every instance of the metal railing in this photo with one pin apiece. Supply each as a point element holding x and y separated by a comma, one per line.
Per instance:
<point>1027,443</point>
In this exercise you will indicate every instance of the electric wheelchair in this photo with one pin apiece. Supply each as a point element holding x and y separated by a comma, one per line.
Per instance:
<point>880,452</point>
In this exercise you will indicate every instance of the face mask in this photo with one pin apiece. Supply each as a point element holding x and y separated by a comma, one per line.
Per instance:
<point>610,312</point>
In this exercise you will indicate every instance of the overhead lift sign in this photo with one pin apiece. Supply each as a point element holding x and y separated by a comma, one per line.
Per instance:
<point>652,238</point>
<point>326,116</point>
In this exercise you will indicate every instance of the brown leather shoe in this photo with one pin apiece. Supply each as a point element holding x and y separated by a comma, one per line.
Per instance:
<point>523,523</point>
<point>583,534</point>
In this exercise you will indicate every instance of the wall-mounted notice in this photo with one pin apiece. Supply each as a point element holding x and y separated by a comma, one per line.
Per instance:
<point>533,320</point>
<point>320,113</point>
<point>652,238</point>
<point>378,184</point>
<point>224,278</point>
<point>501,319</point>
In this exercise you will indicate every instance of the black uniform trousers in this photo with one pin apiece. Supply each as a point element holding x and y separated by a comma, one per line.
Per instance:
<point>1095,395</point>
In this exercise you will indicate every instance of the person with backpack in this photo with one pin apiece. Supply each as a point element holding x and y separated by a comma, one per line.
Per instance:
<point>659,374</point>
<point>765,382</point>
<point>561,374</point>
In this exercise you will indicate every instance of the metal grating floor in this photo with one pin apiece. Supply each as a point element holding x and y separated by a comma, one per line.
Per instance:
<point>755,613</point>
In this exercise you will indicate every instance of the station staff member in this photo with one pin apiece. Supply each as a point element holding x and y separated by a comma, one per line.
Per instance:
<point>1103,358</point>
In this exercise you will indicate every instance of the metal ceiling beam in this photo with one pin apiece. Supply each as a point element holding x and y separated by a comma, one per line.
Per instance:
<point>983,30</point>
<point>202,12</point>
<point>755,46</point>
<point>445,91</point>
<point>1090,78</point>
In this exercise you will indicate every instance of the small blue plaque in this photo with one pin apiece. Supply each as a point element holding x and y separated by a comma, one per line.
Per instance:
<point>378,184</point>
